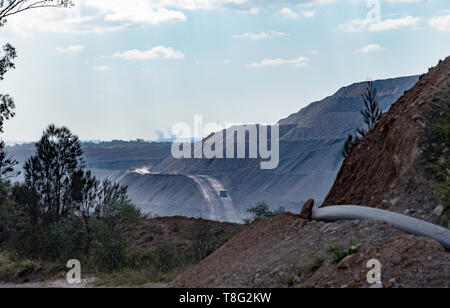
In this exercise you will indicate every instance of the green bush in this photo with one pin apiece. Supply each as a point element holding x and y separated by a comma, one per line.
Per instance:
<point>65,240</point>
<point>338,253</point>
<point>262,211</point>
<point>310,267</point>
<point>17,270</point>
<point>161,258</point>
<point>437,150</point>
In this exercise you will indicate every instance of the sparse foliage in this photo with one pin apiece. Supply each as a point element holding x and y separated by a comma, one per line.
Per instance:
<point>348,144</point>
<point>201,234</point>
<point>7,107</point>
<point>436,153</point>
<point>12,7</point>
<point>51,170</point>
<point>370,114</point>
<point>262,211</point>
<point>61,211</point>
<point>7,164</point>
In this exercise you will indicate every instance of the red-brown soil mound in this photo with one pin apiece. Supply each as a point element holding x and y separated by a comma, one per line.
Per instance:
<point>385,169</point>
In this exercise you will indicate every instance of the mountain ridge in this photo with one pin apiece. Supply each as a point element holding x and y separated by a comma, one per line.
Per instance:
<point>310,155</point>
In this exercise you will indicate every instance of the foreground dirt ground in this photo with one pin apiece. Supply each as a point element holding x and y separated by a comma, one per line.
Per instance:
<point>62,284</point>
<point>288,251</point>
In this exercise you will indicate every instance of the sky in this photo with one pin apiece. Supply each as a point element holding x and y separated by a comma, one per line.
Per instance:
<point>115,69</point>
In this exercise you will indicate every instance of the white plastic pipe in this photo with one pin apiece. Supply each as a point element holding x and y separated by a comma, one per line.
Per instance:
<point>405,223</point>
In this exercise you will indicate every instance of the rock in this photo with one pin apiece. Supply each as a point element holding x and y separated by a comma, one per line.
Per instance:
<point>391,283</point>
<point>307,209</point>
<point>346,263</point>
<point>410,212</point>
<point>394,201</point>
<point>438,210</point>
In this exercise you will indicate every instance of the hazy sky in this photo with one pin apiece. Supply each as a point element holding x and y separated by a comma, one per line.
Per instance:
<point>116,69</point>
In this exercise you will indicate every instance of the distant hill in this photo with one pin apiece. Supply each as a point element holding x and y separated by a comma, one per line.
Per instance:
<point>311,142</point>
<point>106,158</point>
<point>310,157</point>
<point>401,165</point>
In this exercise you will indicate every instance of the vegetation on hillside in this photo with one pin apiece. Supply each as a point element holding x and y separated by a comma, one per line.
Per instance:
<point>61,211</point>
<point>370,114</point>
<point>262,210</point>
<point>437,150</point>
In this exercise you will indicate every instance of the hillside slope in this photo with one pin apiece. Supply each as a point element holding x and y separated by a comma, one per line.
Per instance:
<point>396,167</point>
<point>290,251</point>
<point>389,168</point>
<point>105,158</point>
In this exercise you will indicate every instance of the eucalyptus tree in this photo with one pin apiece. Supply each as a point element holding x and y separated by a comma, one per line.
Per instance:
<point>51,170</point>
<point>7,105</point>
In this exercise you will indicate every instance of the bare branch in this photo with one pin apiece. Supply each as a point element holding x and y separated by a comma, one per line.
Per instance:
<point>12,7</point>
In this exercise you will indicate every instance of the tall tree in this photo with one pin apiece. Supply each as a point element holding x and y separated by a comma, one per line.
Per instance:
<point>371,114</point>
<point>7,107</point>
<point>372,111</point>
<point>51,170</point>
<point>107,201</point>
<point>7,164</point>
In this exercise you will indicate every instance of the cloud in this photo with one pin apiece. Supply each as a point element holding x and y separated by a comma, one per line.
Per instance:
<point>148,16</point>
<point>357,25</point>
<point>100,16</point>
<point>309,14</point>
<point>299,62</point>
<point>100,68</point>
<point>392,24</point>
<point>260,36</point>
<point>407,1</point>
<point>71,49</point>
<point>441,23</point>
<point>371,48</point>
<point>354,25</point>
<point>156,53</point>
<point>287,12</point>
<point>309,3</point>
<point>58,20</point>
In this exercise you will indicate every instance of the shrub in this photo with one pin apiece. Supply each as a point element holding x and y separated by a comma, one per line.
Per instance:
<point>16,270</point>
<point>262,211</point>
<point>162,258</point>
<point>310,267</point>
<point>437,150</point>
<point>202,236</point>
<point>65,240</point>
<point>338,253</point>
